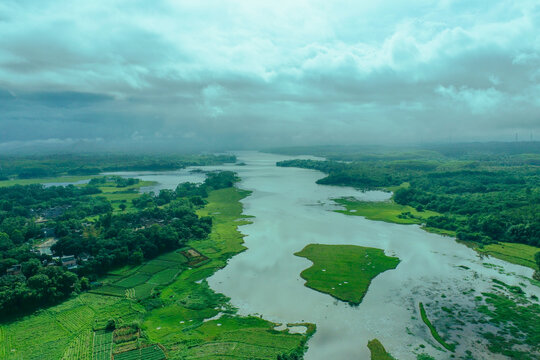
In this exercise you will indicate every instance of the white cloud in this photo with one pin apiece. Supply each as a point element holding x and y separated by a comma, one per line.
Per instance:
<point>478,100</point>
<point>234,69</point>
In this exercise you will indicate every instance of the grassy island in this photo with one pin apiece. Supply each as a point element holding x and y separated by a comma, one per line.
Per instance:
<point>344,271</point>
<point>378,352</point>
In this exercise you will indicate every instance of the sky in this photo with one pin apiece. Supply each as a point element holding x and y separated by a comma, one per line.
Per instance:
<point>215,75</point>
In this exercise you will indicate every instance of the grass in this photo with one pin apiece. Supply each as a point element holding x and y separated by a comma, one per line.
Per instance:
<point>387,211</point>
<point>378,352</point>
<point>123,195</point>
<point>344,271</point>
<point>182,324</point>
<point>404,185</point>
<point>519,254</point>
<point>434,333</point>
<point>111,187</point>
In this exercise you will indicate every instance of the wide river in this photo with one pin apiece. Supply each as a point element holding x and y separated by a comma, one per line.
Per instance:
<point>291,211</point>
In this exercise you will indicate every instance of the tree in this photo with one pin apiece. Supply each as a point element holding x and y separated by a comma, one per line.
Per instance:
<point>122,206</point>
<point>30,267</point>
<point>136,257</point>
<point>39,282</point>
<point>111,324</point>
<point>5,242</point>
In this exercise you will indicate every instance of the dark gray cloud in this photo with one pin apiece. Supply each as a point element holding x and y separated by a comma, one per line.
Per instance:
<point>241,74</point>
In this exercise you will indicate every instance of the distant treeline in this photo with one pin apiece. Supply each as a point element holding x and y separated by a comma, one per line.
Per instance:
<point>523,152</point>
<point>482,196</point>
<point>87,229</point>
<point>68,164</point>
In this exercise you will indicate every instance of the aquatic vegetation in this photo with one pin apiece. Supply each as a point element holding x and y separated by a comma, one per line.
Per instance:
<point>517,321</point>
<point>433,331</point>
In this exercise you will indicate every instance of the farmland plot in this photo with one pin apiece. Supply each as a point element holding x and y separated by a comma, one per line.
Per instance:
<point>148,353</point>
<point>80,348</point>
<point>103,341</point>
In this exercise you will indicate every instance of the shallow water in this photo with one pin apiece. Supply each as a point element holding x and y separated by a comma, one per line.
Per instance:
<point>292,211</point>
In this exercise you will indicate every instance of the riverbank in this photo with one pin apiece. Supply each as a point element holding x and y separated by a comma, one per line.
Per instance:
<point>194,321</point>
<point>389,211</point>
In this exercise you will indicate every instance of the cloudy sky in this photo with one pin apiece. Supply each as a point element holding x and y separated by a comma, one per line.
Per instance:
<point>258,73</point>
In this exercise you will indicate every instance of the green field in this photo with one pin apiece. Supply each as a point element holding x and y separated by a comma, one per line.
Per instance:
<point>138,282</point>
<point>519,254</point>
<point>81,347</point>
<point>147,353</point>
<point>378,352</point>
<point>387,211</point>
<point>122,195</point>
<point>433,331</point>
<point>103,341</point>
<point>63,331</point>
<point>344,271</point>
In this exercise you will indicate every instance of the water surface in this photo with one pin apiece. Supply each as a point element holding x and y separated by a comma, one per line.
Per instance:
<point>292,211</point>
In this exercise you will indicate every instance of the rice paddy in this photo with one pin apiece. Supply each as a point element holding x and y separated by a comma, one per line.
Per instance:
<point>138,282</point>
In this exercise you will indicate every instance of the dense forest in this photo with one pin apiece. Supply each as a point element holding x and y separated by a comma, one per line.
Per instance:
<point>27,167</point>
<point>485,193</point>
<point>89,238</point>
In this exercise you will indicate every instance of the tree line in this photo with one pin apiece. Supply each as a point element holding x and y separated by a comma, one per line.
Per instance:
<point>483,198</point>
<point>28,167</point>
<point>162,223</point>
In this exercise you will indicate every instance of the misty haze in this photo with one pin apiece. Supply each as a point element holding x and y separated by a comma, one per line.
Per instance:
<point>278,180</point>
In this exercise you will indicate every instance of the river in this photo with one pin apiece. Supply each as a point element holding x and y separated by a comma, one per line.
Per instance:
<point>291,211</point>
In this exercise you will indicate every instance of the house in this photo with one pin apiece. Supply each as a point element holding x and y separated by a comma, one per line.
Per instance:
<point>14,270</point>
<point>69,261</point>
<point>84,257</point>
